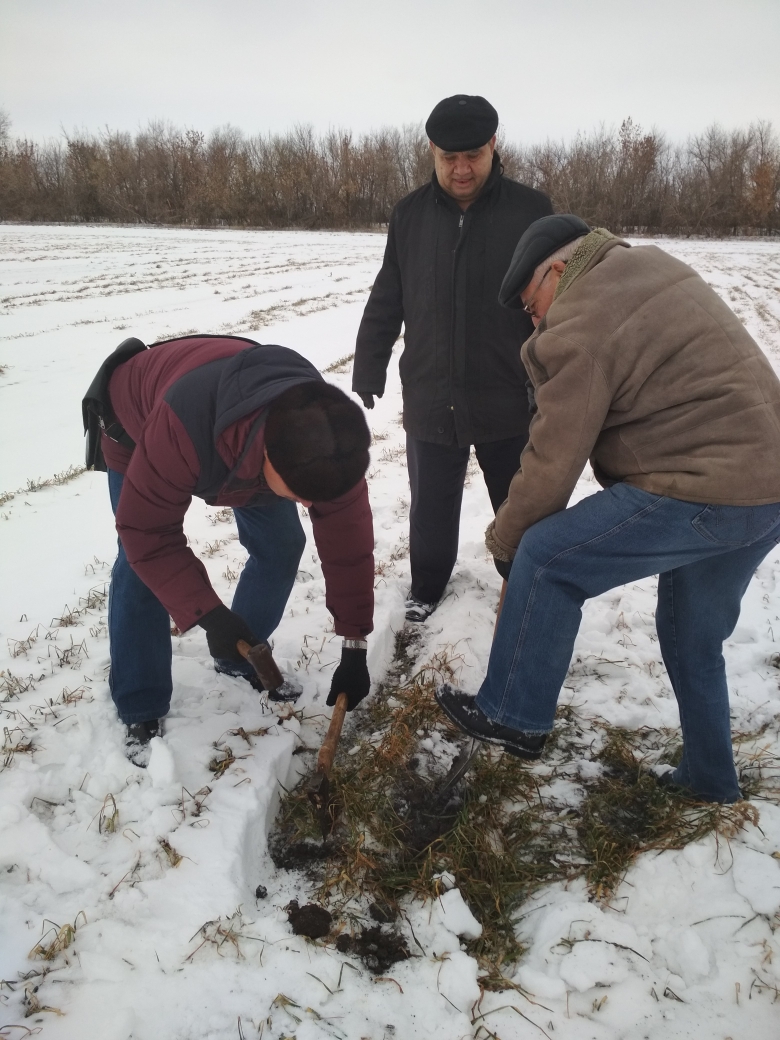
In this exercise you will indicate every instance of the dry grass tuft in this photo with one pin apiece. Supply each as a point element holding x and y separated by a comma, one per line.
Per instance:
<point>13,746</point>
<point>221,933</point>
<point>393,454</point>
<point>62,938</point>
<point>14,685</point>
<point>341,366</point>
<point>174,857</point>
<point>626,812</point>
<point>223,760</point>
<point>220,516</point>
<point>19,647</point>
<point>38,485</point>
<point>108,817</point>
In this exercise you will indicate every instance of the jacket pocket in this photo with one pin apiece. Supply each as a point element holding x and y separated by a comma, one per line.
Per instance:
<point>736,525</point>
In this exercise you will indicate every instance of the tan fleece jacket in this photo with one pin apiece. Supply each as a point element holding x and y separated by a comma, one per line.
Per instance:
<point>641,367</point>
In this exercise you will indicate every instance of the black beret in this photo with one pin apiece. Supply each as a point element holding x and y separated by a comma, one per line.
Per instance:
<point>461,123</point>
<point>543,238</point>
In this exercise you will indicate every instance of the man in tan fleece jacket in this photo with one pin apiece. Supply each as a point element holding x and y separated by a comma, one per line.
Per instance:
<point>639,366</point>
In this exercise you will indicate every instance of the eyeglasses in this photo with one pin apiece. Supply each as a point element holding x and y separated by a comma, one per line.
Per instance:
<point>528,307</point>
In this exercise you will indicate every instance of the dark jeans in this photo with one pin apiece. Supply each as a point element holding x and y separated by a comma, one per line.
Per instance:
<point>704,556</point>
<point>139,628</point>
<point>436,475</point>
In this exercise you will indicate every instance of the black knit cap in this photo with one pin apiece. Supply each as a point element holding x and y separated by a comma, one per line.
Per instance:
<point>540,240</point>
<point>462,123</point>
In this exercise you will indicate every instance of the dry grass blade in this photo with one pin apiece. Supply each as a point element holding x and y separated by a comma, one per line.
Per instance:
<point>108,817</point>
<point>218,933</point>
<point>221,761</point>
<point>33,1006</point>
<point>174,857</point>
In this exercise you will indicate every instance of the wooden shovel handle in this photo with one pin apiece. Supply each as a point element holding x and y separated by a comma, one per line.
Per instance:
<point>243,648</point>
<point>328,749</point>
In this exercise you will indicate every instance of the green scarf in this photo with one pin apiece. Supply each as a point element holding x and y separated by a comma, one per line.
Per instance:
<point>581,257</point>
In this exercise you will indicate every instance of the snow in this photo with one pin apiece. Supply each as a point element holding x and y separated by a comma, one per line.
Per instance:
<point>451,911</point>
<point>687,946</point>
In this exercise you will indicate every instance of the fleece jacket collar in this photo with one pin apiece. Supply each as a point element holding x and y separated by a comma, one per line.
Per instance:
<point>583,256</point>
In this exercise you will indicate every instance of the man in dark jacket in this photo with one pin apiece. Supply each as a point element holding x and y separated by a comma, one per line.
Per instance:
<point>244,425</point>
<point>448,247</point>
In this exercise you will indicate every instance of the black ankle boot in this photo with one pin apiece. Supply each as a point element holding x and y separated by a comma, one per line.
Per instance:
<point>139,734</point>
<point>462,709</point>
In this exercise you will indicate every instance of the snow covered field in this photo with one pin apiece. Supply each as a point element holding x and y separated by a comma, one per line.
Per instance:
<point>169,949</point>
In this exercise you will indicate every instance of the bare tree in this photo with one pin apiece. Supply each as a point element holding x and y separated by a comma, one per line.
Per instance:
<point>625,179</point>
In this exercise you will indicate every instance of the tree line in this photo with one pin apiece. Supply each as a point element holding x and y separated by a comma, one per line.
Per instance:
<point>719,182</point>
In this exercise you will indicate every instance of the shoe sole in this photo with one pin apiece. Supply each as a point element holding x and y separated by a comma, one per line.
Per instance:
<point>511,749</point>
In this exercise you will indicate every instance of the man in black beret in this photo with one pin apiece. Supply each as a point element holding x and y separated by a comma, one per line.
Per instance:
<point>449,245</point>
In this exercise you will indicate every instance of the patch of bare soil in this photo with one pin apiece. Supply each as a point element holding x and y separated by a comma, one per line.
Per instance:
<point>377,949</point>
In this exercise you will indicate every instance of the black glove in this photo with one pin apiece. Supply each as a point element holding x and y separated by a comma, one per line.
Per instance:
<point>351,677</point>
<point>503,567</point>
<point>223,631</point>
<point>367,399</point>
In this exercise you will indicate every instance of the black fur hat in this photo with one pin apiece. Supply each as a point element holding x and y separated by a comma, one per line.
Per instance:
<point>317,440</point>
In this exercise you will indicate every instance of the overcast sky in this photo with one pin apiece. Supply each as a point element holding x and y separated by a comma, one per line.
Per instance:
<point>550,68</point>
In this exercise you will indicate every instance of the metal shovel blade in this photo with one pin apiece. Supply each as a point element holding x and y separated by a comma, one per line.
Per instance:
<point>460,766</point>
<point>318,791</point>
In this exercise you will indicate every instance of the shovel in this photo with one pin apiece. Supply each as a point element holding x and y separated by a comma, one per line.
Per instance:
<point>261,659</point>
<point>318,788</point>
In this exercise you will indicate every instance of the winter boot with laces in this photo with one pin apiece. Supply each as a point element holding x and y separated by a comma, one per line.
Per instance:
<point>462,709</point>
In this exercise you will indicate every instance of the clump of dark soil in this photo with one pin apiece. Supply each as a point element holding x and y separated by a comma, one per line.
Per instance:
<point>295,855</point>
<point>378,950</point>
<point>425,815</point>
<point>310,920</point>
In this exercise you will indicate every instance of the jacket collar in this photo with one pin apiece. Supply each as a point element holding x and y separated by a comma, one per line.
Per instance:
<point>589,252</point>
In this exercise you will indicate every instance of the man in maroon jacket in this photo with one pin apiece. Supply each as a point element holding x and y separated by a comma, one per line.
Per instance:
<point>238,424</point>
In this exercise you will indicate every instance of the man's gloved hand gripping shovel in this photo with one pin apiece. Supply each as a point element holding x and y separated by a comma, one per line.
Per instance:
<point>261,659</point>
<point>230,638</point>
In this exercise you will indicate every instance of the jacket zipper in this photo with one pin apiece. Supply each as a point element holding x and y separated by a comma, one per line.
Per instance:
<point>452,323</point>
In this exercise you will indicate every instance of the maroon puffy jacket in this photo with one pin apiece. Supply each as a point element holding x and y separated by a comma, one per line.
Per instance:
<point>194,408</point>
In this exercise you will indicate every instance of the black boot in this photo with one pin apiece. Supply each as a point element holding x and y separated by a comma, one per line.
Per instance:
<point>462,709</point>
<point>418,611</point>
<point>139,734</point>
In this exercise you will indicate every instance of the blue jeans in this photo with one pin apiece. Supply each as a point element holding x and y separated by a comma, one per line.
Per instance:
<point>139,628</point>
<point>704,556</point>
